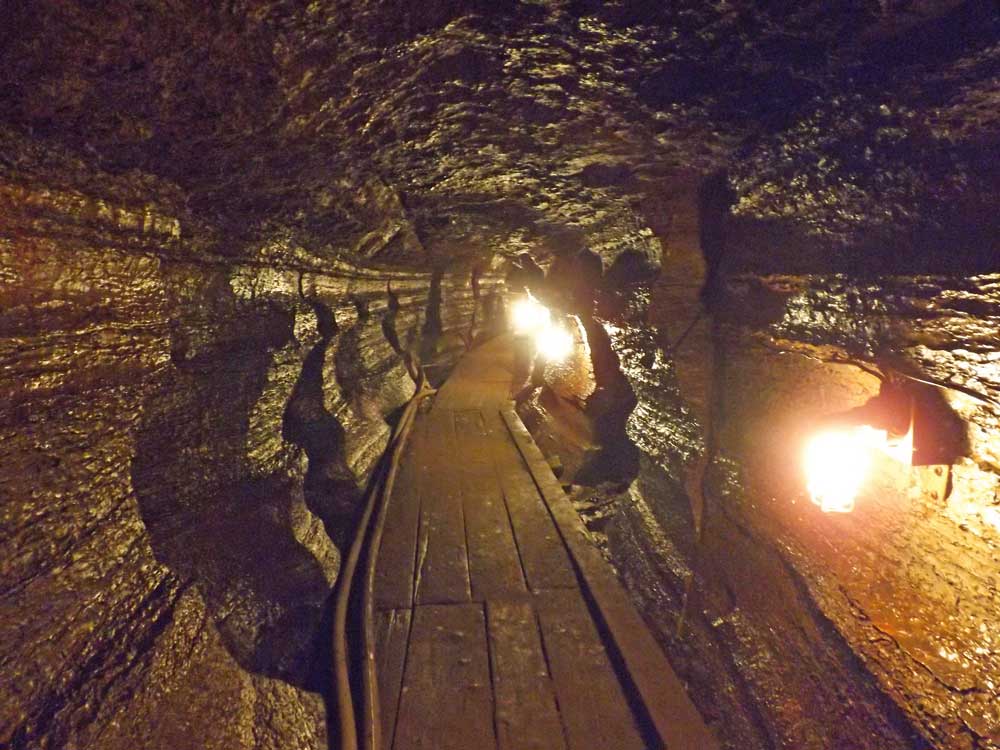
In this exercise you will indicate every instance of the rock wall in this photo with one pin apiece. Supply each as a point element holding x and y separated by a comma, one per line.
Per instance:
<point>185,441</point>
<point>732,609</point>
<point>907,579</point>
<point>795,628</point>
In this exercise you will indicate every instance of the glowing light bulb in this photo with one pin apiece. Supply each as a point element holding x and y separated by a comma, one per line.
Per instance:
<point>838,461</point>
<point>836,464</point>
<point>529,315</point>
<point>554,343</point>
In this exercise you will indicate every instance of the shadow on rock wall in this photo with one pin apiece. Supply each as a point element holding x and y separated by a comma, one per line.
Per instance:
<point>331,488</point>
<point>214,517</point>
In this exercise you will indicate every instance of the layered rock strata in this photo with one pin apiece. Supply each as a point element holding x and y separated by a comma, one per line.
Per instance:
<point>185,444</point>
<point>778,615</point>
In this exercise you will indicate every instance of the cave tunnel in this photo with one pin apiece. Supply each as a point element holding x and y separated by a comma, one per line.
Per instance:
<point>553,374</point>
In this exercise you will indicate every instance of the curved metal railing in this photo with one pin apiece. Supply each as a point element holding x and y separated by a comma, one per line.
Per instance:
<point>368,536</point>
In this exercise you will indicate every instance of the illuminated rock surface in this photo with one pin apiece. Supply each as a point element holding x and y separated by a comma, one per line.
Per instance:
<point>225,231</point>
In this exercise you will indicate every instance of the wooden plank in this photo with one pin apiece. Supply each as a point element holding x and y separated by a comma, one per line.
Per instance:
<point>593,707</point>
<point>482,378</point>
<point>475,394</point>
<point>383,621</point>
<point>494,563</point>
<point>393,628</point>
<point>661,692</point>
<point>544,558</point>
<point>526,716</point>
<point>394,568</point>
<point>446,701</point>
<point>442,560</point>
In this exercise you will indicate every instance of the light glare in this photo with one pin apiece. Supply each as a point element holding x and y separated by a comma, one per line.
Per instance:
<point>554,343</point>
<point>529,315</point>
<point>838,461</point>
<point>836,465</point>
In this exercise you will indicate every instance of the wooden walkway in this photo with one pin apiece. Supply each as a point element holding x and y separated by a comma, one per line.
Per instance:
<point>498,624</point>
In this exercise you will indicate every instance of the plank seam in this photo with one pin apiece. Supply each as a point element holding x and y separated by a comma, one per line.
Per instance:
<point>548,668</point>
<point>490,660</point>
<point>453,435</point>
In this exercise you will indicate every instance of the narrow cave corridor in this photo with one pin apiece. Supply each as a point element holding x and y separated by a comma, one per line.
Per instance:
<point>558,374</point>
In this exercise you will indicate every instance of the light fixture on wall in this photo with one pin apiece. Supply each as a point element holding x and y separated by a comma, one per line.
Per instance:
<point>552,341</point>
<point>839,459</point>
<point>910,425</point>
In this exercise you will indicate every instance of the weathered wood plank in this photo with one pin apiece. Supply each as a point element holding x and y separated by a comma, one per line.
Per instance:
<point>593,707</point>
<point>482,378</point>
<point>442,559</point>
<point>494,563</point>
<point>446,701</point>
<point>394,568</point>
<point>447,680</point>
<point>393,628</point>
<point>526,716</point>
<point>476,394</point>
<point>669,708</point>
<point>544,557</point>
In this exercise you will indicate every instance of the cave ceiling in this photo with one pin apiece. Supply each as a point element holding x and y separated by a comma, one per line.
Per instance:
<point>440,133</point>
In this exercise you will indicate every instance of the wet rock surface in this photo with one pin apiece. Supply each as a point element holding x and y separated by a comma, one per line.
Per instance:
<point>186,442</point>
<point>780,616</point>
<point>925,617</point>
<point>230,232</point>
